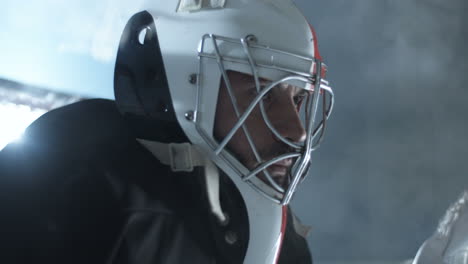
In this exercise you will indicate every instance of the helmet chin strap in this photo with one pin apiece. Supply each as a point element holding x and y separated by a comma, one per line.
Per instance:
<point>183,157</point>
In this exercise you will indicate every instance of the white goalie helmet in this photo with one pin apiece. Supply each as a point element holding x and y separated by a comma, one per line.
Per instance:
<point>268,39</point>
<point>200,45</point>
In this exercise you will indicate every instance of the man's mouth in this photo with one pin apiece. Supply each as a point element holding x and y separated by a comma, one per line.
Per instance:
<point>280,168</point>
<point>279,172</point>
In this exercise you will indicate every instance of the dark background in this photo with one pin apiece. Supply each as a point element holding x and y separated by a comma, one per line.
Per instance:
<point>395,154</point>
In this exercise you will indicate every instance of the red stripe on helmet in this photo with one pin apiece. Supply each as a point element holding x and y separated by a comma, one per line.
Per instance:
<point>284,221</point>
<point>317,52</point>
<point>316,49</point>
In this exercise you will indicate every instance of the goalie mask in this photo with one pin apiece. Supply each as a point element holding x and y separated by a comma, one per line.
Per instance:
<point>243,82</point>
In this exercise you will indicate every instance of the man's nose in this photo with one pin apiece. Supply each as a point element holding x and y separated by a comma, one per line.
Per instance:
<point>286,120</point>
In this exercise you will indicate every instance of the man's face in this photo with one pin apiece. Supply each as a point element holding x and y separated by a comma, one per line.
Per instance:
<point>281,105</point>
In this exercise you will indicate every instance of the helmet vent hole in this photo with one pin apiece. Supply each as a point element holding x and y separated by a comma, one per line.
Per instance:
<point>143,35</point>
<point>252,39</point>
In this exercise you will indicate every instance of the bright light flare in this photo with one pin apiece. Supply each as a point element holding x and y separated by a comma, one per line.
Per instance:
<point>14,119</point>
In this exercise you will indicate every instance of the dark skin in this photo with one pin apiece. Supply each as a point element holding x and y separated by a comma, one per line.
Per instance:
<point>281,105</point>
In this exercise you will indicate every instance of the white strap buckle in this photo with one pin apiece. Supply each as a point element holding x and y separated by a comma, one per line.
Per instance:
<point>181,157</point>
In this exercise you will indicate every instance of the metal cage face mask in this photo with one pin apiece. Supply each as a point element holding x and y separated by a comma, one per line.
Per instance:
<point>276,166</point>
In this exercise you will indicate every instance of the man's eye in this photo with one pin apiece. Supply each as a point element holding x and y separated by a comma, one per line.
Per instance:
<point>298,99</point>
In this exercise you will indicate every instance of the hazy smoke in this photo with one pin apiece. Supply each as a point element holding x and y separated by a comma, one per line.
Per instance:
<point>395,153</point>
